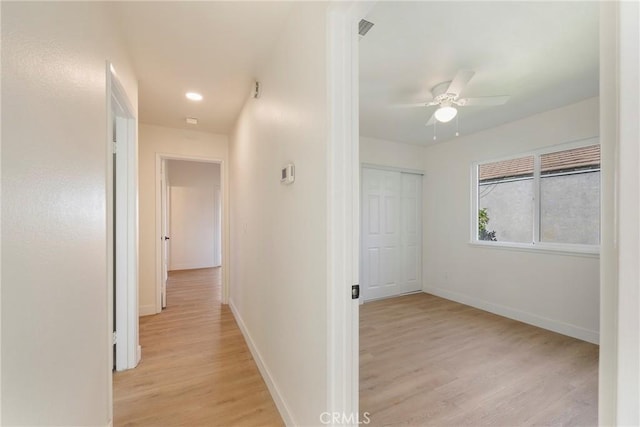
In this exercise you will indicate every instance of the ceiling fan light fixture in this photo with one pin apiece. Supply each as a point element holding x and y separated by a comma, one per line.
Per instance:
<point>193,96</point>
<point>445,113</point>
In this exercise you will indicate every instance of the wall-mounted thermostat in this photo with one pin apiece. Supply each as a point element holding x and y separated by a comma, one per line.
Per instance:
<point>288,174</point>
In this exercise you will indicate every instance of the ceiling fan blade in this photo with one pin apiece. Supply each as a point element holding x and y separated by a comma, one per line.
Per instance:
<point>429,103</point>
<point>486,100</point>
<point>413,105</point>
<point>460,81</point>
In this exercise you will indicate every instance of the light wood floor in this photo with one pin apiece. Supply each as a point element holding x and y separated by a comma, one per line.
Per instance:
<point>196,369</point>
<point>426,361</point>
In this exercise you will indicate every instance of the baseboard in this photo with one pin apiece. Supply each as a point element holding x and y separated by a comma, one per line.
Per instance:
<point>522,316</point>
<point>363,300</point>
<point>190,266</point>
<point>146,310</point>
<point>285,413</point>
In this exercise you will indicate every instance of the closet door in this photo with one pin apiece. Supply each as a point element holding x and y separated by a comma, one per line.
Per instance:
<point>381,233</point>
<point>411,233</point>
<point>391,259</point>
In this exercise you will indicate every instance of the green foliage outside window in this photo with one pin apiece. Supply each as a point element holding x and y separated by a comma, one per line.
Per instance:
<point>483,220</point>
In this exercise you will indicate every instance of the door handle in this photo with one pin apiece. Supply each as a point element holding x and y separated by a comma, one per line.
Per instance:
<point>167,237</point>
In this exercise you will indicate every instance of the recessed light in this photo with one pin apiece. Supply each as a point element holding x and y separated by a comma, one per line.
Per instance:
<point>194,96</point>
<point>191,121</point>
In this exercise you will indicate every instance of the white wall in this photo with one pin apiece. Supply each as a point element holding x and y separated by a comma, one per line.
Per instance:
<point>390,153</point>
<point>55,350</point>
<point>153,140</point>
<point>193,228</point>
<point>279,232</point>
<point>559,292</point>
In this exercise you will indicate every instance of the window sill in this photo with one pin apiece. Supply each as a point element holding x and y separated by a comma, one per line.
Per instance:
<point>548,248</point>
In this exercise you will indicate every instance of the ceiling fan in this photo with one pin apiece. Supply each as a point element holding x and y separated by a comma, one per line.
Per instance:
<point>446,96</point>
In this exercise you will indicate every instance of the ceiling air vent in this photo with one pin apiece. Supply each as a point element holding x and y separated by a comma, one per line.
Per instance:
<point>364,27</point>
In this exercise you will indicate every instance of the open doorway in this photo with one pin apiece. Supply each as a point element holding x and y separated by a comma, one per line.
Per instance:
<point>190,218</point>
<point>450,354</point>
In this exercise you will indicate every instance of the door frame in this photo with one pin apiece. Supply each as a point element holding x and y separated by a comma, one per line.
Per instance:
<point>619,385</point>
<point>165,230</point>
<point>124,224</point>
<point>224,220</point>
<point>343,196</point>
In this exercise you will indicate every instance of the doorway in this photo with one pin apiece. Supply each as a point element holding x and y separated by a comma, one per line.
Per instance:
<point>447,239</point>
<point>190,218</point>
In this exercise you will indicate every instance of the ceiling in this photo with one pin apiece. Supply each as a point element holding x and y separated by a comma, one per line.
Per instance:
<point>544,54</point>
<point>211,47</point>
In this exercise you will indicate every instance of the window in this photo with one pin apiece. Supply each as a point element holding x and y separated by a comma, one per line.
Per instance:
<point>505,200</point>
<point>548,199</point>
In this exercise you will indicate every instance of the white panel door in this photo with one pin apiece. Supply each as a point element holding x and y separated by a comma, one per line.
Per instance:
<point>217,221</point>
<point>381,233</point>
<point>391,233</point>
<point>411,234</point>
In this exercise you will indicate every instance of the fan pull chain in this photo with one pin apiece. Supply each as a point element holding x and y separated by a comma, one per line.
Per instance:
<point>434,129</point>
<point>457,125</point>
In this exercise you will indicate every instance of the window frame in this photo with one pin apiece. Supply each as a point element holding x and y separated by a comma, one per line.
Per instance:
<point>536,245</point>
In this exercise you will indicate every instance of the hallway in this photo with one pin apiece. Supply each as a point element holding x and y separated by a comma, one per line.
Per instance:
<point>196,368</point>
